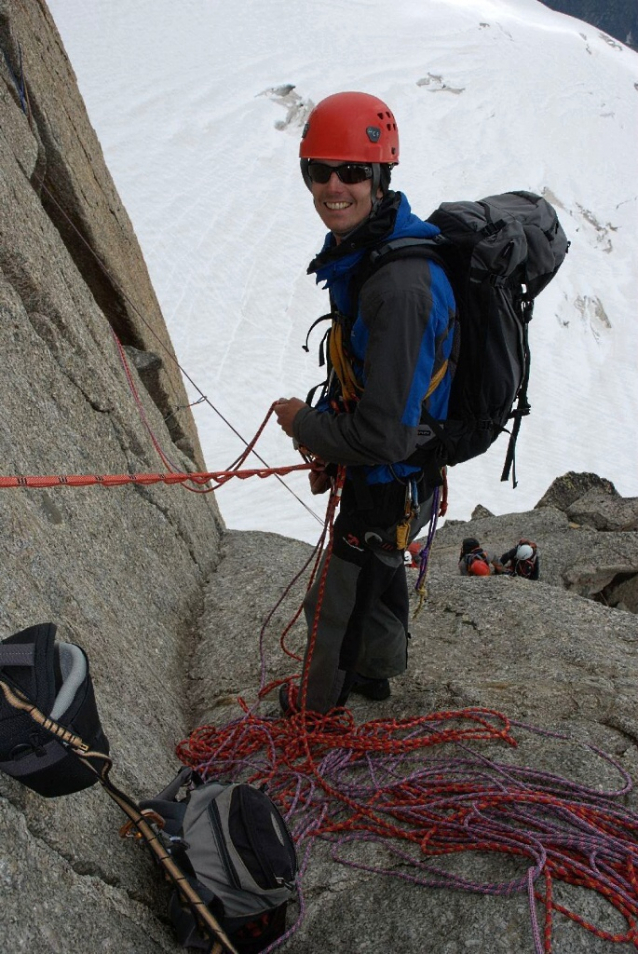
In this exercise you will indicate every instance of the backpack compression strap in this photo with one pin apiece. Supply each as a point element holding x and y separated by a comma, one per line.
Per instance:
<point>523,406</point>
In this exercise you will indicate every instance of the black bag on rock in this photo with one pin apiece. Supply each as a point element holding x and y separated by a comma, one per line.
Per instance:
<point>54,677</point>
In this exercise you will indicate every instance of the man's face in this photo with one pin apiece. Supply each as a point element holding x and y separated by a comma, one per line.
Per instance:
<point>342,207</point>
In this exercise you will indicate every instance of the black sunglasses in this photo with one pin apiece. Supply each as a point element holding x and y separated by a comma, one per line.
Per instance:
<point>348,172</point>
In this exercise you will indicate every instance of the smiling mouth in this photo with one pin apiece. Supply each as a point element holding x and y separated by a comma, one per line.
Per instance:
<point>337,206</point>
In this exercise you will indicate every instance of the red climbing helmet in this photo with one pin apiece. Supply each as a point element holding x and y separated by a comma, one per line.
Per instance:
<point>354,127</point>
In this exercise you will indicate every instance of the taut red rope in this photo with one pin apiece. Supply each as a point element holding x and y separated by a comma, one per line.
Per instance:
<point>199,479</point>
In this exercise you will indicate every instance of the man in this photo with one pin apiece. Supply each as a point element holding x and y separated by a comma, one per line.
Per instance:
<point>390,344</point>
<point>474,560</point>
<point>522,560</point>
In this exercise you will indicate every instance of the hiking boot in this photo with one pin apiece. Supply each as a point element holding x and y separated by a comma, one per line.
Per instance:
<point>377,689</point>
<point>288,699</point>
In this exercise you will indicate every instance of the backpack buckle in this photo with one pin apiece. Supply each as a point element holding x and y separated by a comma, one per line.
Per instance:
<point>492,227</point>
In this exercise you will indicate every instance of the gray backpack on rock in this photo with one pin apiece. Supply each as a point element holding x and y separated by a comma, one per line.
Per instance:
<point>233,844</point>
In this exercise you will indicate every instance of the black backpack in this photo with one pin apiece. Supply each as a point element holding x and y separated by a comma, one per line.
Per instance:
<point>498,254</point>
<point>235,848</point>
<point>40,674</point>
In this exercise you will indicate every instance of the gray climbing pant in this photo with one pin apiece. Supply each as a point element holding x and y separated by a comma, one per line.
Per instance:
<point>362,623</point>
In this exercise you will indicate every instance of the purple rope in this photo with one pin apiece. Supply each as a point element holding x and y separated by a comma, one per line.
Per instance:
<point>468,800</point>
<point>424,554</point>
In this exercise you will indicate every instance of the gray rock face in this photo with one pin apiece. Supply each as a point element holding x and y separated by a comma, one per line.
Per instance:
<point>571,487</point>
<point>604,512</point>
<point>58,169</point>
<point>481,511</point>
<point>121,570</point>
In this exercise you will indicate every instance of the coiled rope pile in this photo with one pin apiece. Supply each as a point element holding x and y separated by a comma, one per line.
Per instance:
<point>427,786</point>
<point>394,782</point>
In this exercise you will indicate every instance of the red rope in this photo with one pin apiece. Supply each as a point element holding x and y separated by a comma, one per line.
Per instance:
<point>138,402</point>
<point>385,781</point>
<point>198,479</point>
<point>219,477</point>
<point>444,494</point>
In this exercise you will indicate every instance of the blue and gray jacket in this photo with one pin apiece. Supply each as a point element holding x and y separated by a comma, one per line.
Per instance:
<point>401,332</point>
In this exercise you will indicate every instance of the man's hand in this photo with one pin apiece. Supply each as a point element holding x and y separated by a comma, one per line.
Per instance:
<point>286,410</point>
<point>319,480</point>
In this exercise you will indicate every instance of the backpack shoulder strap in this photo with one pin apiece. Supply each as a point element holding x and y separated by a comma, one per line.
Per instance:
<point>393,250</point>
<point>432,249</point>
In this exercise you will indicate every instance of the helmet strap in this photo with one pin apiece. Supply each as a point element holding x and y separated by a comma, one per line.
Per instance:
<point>374,188</point>
<point>304,171</point>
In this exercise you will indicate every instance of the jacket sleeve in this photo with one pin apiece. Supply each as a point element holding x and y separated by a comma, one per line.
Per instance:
<point>406,323</point>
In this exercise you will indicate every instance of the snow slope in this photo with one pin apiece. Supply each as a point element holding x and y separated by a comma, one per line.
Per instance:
<point>191,105</point>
